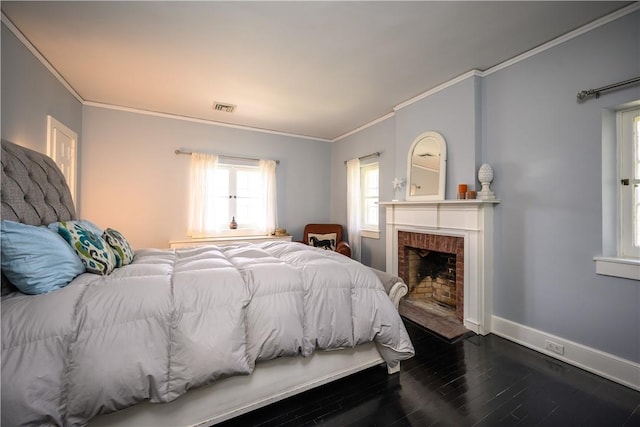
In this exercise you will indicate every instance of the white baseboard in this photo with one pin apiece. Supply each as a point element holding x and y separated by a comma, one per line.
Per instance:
<point>606,365</point>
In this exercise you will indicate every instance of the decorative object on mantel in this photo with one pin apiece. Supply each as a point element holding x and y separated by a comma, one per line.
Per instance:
<point>471,194</point>
<point>398,183</point>
<point>462,191</point>
<point>233,224</point>
<point>485,176</point>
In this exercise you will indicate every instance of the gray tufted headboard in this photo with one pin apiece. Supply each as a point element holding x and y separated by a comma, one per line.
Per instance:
<point>34,191</point>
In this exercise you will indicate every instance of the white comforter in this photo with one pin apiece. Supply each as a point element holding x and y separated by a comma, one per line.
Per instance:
<point>174,320</point>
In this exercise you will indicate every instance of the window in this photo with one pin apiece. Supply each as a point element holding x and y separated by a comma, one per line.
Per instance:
<point>369,191</point>
<point>223,190</point>
<point>629,183</point>
<point>620,193</point>
<point>237,190</point>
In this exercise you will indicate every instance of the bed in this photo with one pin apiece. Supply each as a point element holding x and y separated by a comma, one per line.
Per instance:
<point>191,336</point>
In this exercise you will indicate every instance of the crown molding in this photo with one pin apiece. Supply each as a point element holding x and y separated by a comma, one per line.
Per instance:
<point>23,39</point>
<point>479,73</point>
<point>473,73</point>
<point>439,88</point>
<point>366,125</point>
<point>197,120</point>
<point>565,37</point>
<point>31,48</point>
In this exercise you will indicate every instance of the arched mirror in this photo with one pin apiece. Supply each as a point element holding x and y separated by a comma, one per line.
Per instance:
<point>427,167</point>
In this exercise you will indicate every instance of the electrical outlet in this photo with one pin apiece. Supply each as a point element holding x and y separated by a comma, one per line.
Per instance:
<point>554,346</point>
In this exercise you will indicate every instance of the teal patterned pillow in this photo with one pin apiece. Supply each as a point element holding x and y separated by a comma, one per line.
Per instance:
<point>94,252</point>
<point>83,222</point>
<point>121,248</point>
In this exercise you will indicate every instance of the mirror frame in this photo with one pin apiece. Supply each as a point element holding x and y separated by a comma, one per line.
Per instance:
<point>443,167</point>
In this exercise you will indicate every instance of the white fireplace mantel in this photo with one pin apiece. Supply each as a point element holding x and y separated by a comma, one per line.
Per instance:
<point>469,219</point>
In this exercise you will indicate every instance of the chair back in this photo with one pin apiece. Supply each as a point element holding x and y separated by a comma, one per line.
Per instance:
<point>322,229</point>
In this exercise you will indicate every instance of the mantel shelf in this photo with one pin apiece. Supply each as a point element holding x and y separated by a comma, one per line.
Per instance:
<point>474,202</point>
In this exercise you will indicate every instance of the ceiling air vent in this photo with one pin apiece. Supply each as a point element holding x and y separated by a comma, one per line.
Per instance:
<point>225,108</point>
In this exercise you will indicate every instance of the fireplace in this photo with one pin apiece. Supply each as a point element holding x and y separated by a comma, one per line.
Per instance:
<point>432,266</point>
<point>460,232</point>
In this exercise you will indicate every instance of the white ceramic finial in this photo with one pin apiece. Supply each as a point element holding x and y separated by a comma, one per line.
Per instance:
<point>485,176</point>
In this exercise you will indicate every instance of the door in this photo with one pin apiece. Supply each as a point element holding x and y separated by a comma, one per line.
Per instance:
<point>62,148</point>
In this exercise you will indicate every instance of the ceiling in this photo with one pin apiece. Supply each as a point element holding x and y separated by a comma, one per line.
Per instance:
<point>314,69</point>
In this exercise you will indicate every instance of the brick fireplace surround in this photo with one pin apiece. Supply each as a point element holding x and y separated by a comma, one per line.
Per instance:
<point>436,225</point>
<point>437,243</point>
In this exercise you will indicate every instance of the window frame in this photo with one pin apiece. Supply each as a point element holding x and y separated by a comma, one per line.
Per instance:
<point>369,229</point>
<point>612,262</point>
<point>628,159</point>
<point>244,229</point>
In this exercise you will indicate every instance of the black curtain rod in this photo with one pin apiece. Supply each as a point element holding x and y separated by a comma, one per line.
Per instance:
<point>222,155</point>
<point>584,94</point>
<point>376,154</point>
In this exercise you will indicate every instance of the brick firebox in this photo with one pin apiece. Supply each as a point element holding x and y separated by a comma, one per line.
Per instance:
<point>408,242</point>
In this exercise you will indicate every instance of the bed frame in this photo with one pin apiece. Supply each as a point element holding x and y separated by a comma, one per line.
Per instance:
<point>34,192</point>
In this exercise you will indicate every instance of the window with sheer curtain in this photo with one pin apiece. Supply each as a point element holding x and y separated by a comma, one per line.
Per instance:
<point>223,190</point>
<point>354,207</point>
<point>369,189</point>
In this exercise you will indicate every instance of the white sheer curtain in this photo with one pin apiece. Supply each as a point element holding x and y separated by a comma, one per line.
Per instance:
<point>268,197</point>
<point>202,212</point>
<point>353,207</point>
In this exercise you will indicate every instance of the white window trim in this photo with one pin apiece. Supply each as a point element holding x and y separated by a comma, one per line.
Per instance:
<point>242,229</point>
<point>610,263</point>
<point>202,188</point>
<point>619,267</point>
<point>370,234</point>
<point>626,166</point>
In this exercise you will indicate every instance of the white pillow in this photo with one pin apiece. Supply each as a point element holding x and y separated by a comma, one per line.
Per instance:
<point>324,241</point>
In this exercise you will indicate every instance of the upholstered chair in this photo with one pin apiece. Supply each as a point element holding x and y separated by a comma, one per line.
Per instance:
<point>327,236</point>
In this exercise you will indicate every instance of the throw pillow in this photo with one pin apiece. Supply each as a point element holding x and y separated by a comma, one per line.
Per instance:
<point>94,252</point>
<point>83,222</point>
<point>324,241</point>
<point>121,248</point>
<point>35,259</point>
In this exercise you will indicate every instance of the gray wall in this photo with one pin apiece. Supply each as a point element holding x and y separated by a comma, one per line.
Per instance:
<point>454,113</point>
<point>546,151</point>
<point>30,93</point>
<point>133,181</point>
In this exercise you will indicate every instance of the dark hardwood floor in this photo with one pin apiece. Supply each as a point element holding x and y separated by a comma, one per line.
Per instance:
<point>483,381</point>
